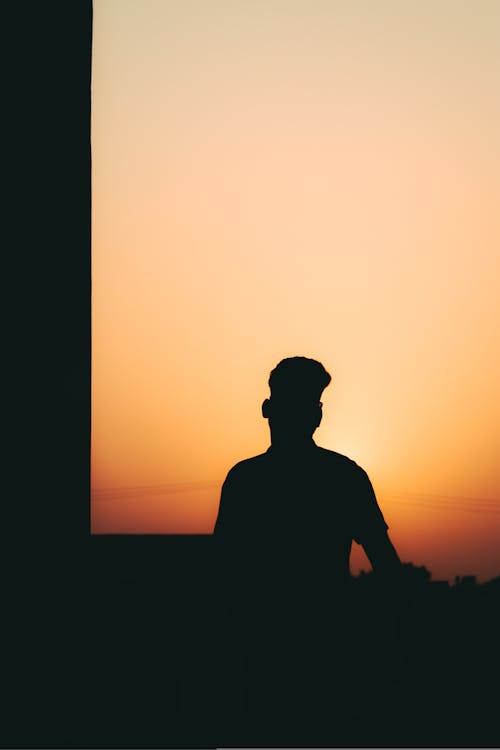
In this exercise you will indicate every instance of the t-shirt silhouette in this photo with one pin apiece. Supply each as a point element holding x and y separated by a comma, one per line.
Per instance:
<point>297,510</point>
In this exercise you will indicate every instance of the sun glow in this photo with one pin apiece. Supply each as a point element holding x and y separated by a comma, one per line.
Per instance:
<point>322,182</point>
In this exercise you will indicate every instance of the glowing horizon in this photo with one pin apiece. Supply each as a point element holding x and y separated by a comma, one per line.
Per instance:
<point>307,178</point>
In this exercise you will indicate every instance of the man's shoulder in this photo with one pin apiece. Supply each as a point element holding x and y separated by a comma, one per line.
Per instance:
<point>259,466</point>
<point>247,466</point>
<point>339,461</point>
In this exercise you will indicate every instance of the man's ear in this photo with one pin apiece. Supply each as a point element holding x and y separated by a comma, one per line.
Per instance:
<point>319,418</point>
<point>266,408</point>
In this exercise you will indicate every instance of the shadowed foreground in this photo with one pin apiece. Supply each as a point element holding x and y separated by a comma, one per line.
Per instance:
<point>138,650</point>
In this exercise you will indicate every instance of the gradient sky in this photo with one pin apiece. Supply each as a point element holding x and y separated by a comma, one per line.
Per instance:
<point>299,177</point>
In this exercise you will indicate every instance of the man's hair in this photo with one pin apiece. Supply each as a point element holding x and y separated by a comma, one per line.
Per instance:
<point>299,376</point>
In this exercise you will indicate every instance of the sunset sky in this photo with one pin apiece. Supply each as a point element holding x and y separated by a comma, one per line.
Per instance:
<point>299,177</point>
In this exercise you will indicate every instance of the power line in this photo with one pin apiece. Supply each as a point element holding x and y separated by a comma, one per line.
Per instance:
<point>114,493</point>
<point>448,502</point>
<point>472,508</point>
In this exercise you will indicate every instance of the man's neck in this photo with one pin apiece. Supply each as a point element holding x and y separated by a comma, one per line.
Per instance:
<point>284,445</point>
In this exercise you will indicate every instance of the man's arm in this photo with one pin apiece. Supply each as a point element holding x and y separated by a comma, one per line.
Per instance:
<point>227,526</point>
<point>371,533</point>
<point>389,573</point>
<point>226,502</point>
<point>382,555</point>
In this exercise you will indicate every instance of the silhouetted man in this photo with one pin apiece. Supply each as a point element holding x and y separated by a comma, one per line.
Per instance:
<point>284,531</point>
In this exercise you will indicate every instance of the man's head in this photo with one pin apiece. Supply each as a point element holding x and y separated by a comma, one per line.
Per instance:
<point>294,408</point>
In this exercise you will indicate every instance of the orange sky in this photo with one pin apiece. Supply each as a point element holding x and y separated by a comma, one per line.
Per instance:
<point>311,178</point>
